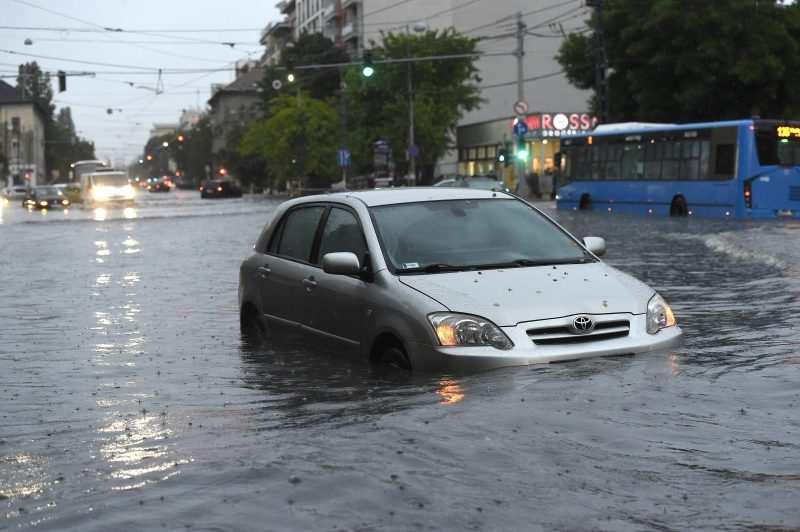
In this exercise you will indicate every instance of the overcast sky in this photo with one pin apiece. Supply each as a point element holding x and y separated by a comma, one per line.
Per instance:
<point>123,133</point>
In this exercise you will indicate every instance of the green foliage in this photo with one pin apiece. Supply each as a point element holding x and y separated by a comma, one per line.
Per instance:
<point>298,140</point>
<point>309,49</point>
<point>681,61</point>
<point>63,146</point>
<point>443,90</point>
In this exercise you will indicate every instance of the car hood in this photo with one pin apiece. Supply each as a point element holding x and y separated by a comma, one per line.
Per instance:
<point>511,296</point>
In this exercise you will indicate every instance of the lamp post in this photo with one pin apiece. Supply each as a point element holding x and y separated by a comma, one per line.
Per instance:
<point>419,27</point>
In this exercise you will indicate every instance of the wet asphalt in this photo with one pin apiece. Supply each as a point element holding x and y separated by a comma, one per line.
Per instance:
<point>128,401</point>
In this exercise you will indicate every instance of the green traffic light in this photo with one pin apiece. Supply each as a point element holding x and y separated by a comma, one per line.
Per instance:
<point>502,158</point>
<point>367,71</point>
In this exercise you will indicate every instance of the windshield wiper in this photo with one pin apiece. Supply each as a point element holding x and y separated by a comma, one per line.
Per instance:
<point>436,268</point>
<point>525,263</point>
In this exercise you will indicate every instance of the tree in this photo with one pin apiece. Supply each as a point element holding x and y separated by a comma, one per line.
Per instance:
<point>33,84</point>
<point>63,145</point>
<point>297,141</point>
<point>309,49</point>
<point>443,90</point>
<point>677,61</point>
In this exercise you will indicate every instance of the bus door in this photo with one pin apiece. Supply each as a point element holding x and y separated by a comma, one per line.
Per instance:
<point>774,190</point>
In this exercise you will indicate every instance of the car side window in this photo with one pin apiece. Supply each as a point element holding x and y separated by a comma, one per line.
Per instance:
<point>299,230</point>
<point>342,233</point>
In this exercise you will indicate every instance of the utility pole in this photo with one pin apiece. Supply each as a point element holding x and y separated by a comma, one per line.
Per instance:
<point>522,185</point>
<point>412,156</point>
<point>343,121</point>
<point>601,61</point>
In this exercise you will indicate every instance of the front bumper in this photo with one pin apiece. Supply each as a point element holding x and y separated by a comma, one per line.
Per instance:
<point>525,352</point>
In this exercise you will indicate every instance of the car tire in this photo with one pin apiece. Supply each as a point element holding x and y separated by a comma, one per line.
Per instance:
<point>253,330</point>
<point>395,356</point>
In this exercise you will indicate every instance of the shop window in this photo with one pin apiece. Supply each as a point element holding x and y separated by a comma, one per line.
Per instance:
<point>482,152</point>
<point>473,154</point>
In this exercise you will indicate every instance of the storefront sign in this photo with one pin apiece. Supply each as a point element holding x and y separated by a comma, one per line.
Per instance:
<point>559,124</point>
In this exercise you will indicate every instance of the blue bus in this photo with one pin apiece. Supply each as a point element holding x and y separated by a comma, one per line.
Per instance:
<point>737,169</point>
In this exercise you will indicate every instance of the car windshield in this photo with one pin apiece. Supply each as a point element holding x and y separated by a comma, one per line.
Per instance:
<point>437,236</point>
<point>47,191</point>
<point>110,180</point>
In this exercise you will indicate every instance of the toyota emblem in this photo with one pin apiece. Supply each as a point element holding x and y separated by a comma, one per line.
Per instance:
<point>583,324</point>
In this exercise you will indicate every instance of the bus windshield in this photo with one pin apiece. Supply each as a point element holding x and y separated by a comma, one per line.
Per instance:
<point>778,143</point>
<point>109,180</point>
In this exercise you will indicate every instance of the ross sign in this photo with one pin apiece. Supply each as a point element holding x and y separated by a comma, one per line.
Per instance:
<point>343,157</point>
<point>521,108</point>
<point>557,124</point>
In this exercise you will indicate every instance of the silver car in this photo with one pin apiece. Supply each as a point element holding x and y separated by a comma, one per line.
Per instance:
<point>444,278</point>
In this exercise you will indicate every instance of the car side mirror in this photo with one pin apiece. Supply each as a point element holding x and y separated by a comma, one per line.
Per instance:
<point>341,263</point>
<point>595,244</point>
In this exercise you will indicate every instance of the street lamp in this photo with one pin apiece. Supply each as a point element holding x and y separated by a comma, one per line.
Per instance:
<point>419,27</point>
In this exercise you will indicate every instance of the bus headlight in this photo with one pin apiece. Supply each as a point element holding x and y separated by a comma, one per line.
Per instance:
<point>659,315</point>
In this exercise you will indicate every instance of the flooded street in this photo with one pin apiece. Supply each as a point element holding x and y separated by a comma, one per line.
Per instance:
<point>128,401</point>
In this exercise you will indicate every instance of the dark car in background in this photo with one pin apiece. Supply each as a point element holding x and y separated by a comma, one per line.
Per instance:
<point>159,184</point>
<point>45,197</point>
<point>217,188</point>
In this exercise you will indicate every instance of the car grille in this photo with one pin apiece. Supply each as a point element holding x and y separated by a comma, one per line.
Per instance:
<point>563,334</point>
<point>794,193</point>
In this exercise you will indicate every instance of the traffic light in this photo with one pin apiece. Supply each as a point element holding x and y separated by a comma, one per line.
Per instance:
<point>522,150</point>
<point>181,138</point>
<point>367,69</point>
<point>62,81</point>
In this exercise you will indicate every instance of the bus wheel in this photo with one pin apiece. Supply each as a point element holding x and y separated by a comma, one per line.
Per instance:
<point>585,203</point>
<point>678,207</point>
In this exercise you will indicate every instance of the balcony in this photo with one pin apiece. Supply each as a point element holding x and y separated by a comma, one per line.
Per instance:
<point>328,11</point>
<point>349,29</point>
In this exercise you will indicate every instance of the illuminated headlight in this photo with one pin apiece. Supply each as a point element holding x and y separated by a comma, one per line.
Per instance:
<point>465,330</point>
<point>43,203</point>
<point>129,192</point>
<point>65,202</point>
<point>99,193</point>
<point>659,315</point>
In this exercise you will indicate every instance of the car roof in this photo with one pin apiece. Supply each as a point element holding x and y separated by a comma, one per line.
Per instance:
<point>374,198</point>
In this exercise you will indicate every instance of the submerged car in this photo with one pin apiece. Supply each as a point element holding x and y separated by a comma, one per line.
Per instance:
<point>444,278</point>
<point>220,189</point>
<point>45,197</point>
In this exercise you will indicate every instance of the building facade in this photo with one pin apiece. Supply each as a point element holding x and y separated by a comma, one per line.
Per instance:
<point>22,140</point>
<point>234,105</point>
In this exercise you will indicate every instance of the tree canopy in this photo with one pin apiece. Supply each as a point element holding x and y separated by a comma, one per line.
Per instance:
<point>678,61</point>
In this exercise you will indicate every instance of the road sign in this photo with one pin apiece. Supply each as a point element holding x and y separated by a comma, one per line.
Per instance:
<point>520,128</point>
<point>343,157</point>
<point>521,108</point>
<point>413,151</point>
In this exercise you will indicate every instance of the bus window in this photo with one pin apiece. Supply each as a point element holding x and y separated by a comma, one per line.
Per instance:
<point>724,162</point>
<point>632,161</point>
<point>690,159</point>
<point>705,150</point>
<point>652,160</point>
<point>669,166</point>
<point>613,162</point>
<point>598,161</point>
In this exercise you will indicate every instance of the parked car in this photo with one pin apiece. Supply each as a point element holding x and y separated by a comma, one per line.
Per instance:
<point>479,182</point>
<point>45,197</point>
<point>15,192</point>
<point>220,189</point>
<point>444,278</point>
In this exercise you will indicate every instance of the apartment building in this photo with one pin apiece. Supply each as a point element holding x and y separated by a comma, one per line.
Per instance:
<point>22,139</point>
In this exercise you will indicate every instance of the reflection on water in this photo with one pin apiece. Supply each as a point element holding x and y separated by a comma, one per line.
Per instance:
<point>129,213</point>
<point>100,214</point>
<point>450,392</point>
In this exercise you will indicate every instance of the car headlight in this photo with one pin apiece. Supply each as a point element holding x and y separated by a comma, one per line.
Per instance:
<point>659,315</point>
<point>466,330</point>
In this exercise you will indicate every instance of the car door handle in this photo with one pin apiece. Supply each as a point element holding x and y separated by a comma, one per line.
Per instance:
<point>263,271</point>
<point>309,283</point>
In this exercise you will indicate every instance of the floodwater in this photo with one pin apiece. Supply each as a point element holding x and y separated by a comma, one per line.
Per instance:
<point>127,401</point>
